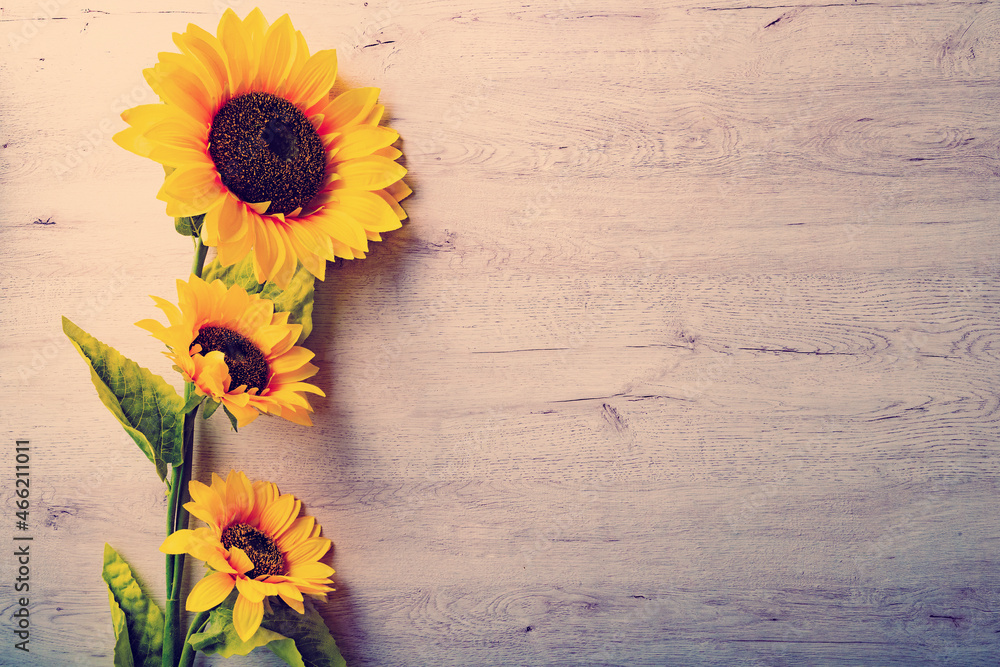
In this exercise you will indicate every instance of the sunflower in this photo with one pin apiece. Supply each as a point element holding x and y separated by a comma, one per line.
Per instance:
<point>237,350</point>
<point>256,542</point>
<point>250,137</point>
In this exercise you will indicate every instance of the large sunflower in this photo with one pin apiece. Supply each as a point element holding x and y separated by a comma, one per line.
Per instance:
<point>256,542</point>
<point>237,350</point>
<point>257,145</point>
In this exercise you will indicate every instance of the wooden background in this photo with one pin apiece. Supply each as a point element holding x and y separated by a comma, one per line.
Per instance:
<point>687,356</point>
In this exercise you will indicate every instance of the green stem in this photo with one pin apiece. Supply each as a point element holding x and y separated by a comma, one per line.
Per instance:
<point>187,655</point>
<point>177,519</point>
<point>200,251</point>
<point>177,516</point>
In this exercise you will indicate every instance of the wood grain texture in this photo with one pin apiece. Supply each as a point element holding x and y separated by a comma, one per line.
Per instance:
<point>687,355</point>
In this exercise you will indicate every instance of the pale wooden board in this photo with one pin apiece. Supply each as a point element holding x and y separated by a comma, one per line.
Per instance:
<point>687,355</point>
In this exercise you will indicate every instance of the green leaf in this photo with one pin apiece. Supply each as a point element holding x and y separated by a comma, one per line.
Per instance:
<point>210,408</point>
<point>189,226</point>
<point>192,402</point>
<point>232,418</point>
<point>123,650</point>
<point>296,299</point>
<point>311,643</point>
<point>148,408</point>
<point>143,619</point>
<point>220,636</point>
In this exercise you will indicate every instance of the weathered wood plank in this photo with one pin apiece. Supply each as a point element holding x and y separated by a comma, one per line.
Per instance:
<point>687,355</point>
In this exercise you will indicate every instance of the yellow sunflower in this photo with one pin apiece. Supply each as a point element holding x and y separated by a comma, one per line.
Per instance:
<point>256,542</point>
<point>237,350</point>
<point>257,145</point>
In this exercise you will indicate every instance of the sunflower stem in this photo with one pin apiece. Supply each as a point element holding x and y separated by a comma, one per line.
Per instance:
<point>177,516</point>
<point>187,655</point>
<point>200,251</point>
<point>177,519</point>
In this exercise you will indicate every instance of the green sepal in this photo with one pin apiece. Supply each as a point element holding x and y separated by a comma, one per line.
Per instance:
<point>309,642</point>
<point>190,226</point>
<point>232,418</point>
<point>210,407</point>
<point>193,401</point>
<point>138,618</point>
<point>147,407</point>
<point>219,636</point>
<point>296,299</point>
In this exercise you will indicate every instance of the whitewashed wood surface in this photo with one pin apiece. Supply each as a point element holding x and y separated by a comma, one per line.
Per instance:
<point>687,355</point>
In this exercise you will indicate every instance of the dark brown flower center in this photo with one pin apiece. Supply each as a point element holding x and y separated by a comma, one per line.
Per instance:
<point>260,548</point>
<point>245,361</point>
<point>265,149</point>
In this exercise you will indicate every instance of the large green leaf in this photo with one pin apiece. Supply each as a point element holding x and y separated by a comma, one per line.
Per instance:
<point>301,640</point>
<point>143,619</point>
<point>148,408</point>
<point>296,299</point>
<point>310,645</point>
<point>219,635</point>
<point>123,650</point>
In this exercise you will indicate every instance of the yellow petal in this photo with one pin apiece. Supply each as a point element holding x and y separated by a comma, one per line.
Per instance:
<point>369,209</point>
<point>202,513</point>
<point>292,597</point>
<point>297,532</point>
<point>239,561</point>
<point>278,54</point>
<point>298,416</point>
<point>255,25</point>
<point>390,152</point>
<point>277,516</point>
<point>369,173</point>
<point>363,140</point>
<point>244,414</point>
<point>313,83</point>
<point>178,542</point>
<point>399,190</point>
<point>247,616</point>
<point>393,204</point>
<point>284,268</point>
<point>239,495</point>
<point>237,232</point>
<point>249,589</point>
<point>349,108</point>
<point>180,88</point>
<point>310,570</point>
<point>305,372</point>
<point>339,228</point>
<point>206,48</point>
<point>237,47</point>
<point>132,140</point>
<point>190,190</point>
<point>210,591</point>
<point>265,493</point>
<point>204,496</point>
<point>375,115</point>
<point>144,116</point>
<point>192,75</point>
<point>308,250</point>
<point>180,132</point>
<point>310,550</point>
<point>291,360</point>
